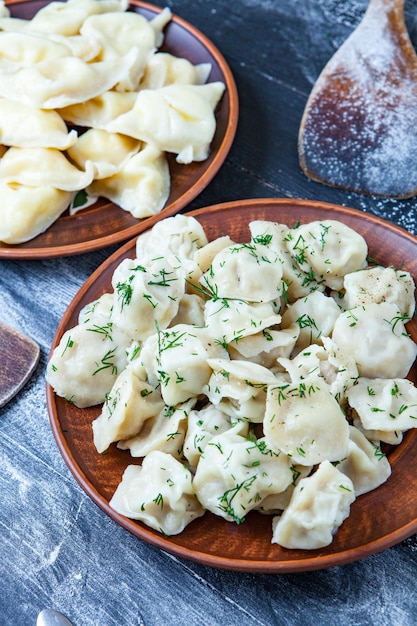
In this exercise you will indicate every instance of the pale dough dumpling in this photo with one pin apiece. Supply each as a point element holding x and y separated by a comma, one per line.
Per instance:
<point>107,151</point>
<point>141,185</point>
<point>235,474</point>
<point>180,362</point>
<point>266,347</point>
<point>27,127</point>
<point>146,296</point>
<point>239,388</point>
<point>315,315</point>
<point>366,465</point>
<point>337,370</point>
<point>380,284</point>
<point>319,505</point>
<point>202,426</point>
<point>329,248</point>
<point>295,282</point>
<point>159,493</point>
<point>27,48</point>
<point>118,33</point>
<point>176,118</point>
<point>128,404</point>
<point>86,362</point>
<point>165,69</point>
<point>385,404</point>
<point>231,320</point>
<point>59,82</point>
<point>40,167</point>
<point>164,431</point>
<point>66,18</point>
<point>248,272</point>
<point>375,337</point>
<point>306,422</point>
<point>25,212</point>
<point>181,235</point>
<point>99,111</point>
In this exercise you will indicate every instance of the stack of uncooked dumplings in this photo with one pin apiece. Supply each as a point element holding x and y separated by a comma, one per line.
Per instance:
<point>93,65</point>
<point>257,376</point>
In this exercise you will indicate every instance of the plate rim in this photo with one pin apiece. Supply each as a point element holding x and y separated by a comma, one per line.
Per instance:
<point>15,252</point>
<point>312,560</point>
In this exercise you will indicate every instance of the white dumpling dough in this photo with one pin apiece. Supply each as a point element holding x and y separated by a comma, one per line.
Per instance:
<point>159,493</point>
<point>27,127</point>
<point>315,315</point>
<point>202,426</point>
<point>181,235</point>
<point>86,362</point>
<point>295,282</point>
<point>366,465</point>
<point>107,151</point>
<point>375,337</point>
<point>59,82</point>
<point>165,69</point>
<point>379,284</point>
<point>329,248</point>
<point>119,33</point>
<point>141,185</point>
<point>235,474</point>
<point>99,111</point>
<point>318,506</point>
<point>176,118</point>
<point>37,167</point>
<point>177,359</point>
<point>66,18</point>
<point>246,272</point>
<point>385,404</point>
<point>306,422</point>
<point>147,296</point>
<point>239,388</point>
<point>128,404</point>
<point>26,212</point>
<point>164,431</point>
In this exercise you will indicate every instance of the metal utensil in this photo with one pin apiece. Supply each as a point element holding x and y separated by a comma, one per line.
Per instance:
<point>358,130</point>
<point>19,356</point>
<point>50,617</point>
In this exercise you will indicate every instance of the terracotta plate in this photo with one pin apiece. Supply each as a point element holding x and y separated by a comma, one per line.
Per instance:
<point>378,519</point>
<point>104,223</point>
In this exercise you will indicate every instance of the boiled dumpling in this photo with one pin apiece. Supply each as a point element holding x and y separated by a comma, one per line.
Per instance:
<point>25,212</point>
<point>59,82</point>
<point>119,33</point>
<point>235,474</point>
<point>141,185</point>
<point>380,284</point>
<point>165,69</point>
<point>375,337</point>
<point>164,431</point>
<point>306,422</point>
<point>37,167</point>
<point>99,111</point>
<point>329,249</point>
<point>159,493</point>
<point>27,127</point>
<point>108,151</point>
<point>366,465</point>
<point>128,404</point>
<point>318,506</point>
<point>176,118</point>
<point>66,18</point>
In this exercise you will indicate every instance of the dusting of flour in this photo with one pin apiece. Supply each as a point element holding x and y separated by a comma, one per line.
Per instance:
<point>360,131</point>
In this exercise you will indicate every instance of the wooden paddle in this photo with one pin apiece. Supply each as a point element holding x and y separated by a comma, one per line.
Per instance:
<point>19,356</point>
<point>359,128</point>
